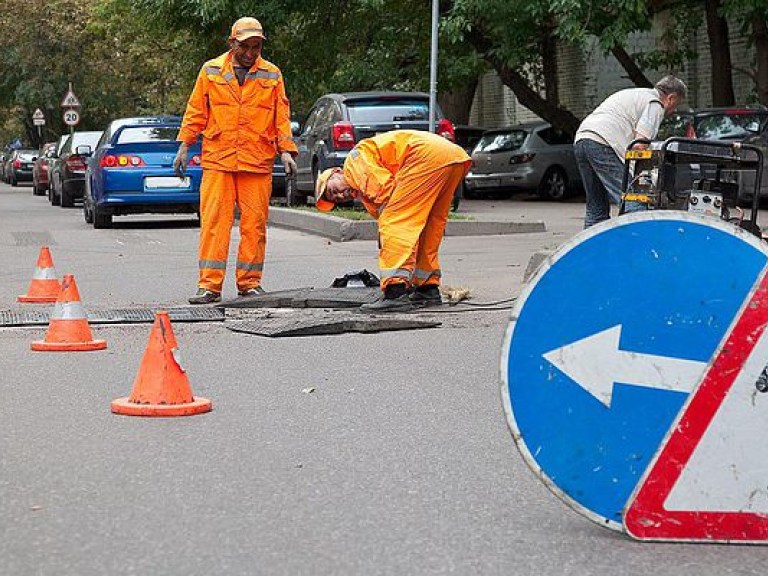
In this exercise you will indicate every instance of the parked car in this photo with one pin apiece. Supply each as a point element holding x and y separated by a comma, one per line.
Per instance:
<point>52,163</point>
<point>67,174</point>
<point>531,156</point>
<point>336,122</point>
<point>728,123</point>
<point>131,171</point>
<point>746,180</point>
<point>18,167</point>
<point>40,168</point>
<point>284,189</point>
<point>467,137</point>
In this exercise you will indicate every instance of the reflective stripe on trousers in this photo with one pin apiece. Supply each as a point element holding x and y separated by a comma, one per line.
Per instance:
<point>412,225</point>
<point>219,193</point>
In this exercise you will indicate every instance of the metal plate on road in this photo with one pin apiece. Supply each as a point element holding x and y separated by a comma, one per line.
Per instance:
<point>117,316</point>
<point>335,324</point>
<point>607,341</point>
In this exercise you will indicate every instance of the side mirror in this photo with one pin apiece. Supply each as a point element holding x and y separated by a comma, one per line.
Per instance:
<point>83,150</point>
<point>295,128</point>
<point>34,158</point>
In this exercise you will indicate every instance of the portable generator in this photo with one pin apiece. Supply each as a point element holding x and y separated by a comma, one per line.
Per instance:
<point>697,176</point>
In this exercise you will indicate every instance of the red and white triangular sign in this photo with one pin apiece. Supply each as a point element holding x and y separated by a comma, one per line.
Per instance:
<point>709,480</point>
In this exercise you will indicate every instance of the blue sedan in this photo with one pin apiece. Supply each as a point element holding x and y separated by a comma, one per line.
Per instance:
<point>131,172</point>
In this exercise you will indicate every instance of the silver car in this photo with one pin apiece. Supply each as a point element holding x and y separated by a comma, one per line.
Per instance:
<point>532,156</point>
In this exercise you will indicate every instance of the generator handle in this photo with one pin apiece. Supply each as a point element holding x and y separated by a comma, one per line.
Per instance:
<point>625,176</point>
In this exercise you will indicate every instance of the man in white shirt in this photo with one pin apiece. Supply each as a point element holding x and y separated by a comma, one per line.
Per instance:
<point>603,137</point>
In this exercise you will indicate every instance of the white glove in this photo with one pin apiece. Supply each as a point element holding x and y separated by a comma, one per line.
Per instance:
<point>288,164</point>
<point>180,162</point>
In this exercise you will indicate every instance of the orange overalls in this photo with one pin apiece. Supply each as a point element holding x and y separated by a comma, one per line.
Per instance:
<point>243,127</point>
<point>406,179</point>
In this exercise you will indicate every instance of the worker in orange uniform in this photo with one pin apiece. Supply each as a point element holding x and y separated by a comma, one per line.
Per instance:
<point>406,179</point>
<point>240,107</point>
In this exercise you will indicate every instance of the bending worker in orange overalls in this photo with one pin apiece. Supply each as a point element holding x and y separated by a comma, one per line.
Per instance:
<point>240,107</point>
<point>406,179</point>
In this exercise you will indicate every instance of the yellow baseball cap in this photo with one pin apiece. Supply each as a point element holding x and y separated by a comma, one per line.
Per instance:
<point>322,203</point>
<point>247,28</point>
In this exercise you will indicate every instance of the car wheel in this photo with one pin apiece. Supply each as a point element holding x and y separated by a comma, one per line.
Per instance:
<point>101,218</point>
<point>55,198</point>
<point>554,184</point>
<point>87,213</point>
<point>292,195</point>
<point>457,196</point>
<point>67,200</point>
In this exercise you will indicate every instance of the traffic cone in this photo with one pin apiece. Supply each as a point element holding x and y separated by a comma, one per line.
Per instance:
<point>44,287</point>
<point>161,387</point>
<point>68,329</point>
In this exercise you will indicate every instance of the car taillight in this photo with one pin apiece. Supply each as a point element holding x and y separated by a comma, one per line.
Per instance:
<point>195,160</point>
<point>445,129</point>
<point>343,136</point>
<point>17,163</point>
<point>121,161</point>
<point>521,158</point>
<point>75,163</point>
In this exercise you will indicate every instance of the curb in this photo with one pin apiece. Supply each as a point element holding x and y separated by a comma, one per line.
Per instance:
<point>343,230</point>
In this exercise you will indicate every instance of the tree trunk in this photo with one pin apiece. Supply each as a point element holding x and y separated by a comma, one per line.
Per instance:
<point>720,54</point>
<point>635,74</point>
<point>527,96</point>
<point>549,64</point>
<point>760,31</point>
<point>457,104</point>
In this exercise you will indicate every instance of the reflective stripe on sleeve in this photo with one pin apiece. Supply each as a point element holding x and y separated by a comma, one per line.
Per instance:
<point>213,264</point>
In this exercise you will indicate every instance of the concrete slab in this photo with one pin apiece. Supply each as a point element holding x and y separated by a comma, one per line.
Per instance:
<point>316,325</point>
<point>306,298</point>
<point>343,230</point>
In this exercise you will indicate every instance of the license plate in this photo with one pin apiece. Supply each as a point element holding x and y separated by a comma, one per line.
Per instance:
<point>489,183</point>
<point>163,182</point>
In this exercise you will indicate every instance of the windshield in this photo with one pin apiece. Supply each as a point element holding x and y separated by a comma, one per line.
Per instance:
<point>135,134</point>
<point>501,141</point>
<point>387,110</point>
<point>727,125</point>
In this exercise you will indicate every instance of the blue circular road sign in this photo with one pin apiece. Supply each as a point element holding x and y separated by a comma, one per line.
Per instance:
<point>607,341</point>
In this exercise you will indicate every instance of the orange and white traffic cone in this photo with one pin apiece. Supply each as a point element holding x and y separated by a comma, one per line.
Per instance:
<point>45,287</point>
<point>161,387</point>
<point>68,328</point>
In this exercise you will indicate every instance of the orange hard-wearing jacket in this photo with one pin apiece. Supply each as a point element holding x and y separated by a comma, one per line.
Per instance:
<point>244,126</point>
<point>375,165</point>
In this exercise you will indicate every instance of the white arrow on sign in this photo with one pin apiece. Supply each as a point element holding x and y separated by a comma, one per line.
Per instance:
<point>596,363</point>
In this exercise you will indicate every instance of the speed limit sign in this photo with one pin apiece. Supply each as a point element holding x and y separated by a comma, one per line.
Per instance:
<point>71,117</point>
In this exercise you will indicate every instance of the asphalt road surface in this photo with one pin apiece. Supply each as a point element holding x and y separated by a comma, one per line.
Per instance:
<point>399,462</point>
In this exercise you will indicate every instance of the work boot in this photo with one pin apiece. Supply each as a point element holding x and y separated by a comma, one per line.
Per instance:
<point>204,296</point>
<point>426,296</point>
<point>394,299</point>
<point>256,291</point>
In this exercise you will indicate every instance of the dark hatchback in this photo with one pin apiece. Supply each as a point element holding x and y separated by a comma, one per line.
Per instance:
<point>336,122</point>
<point>19,166</point>
<point>66,176</point>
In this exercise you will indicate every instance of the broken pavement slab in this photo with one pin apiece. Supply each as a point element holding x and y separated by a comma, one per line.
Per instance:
<point>344,230</point>
<point>306,298</point>
<point>324,324</point>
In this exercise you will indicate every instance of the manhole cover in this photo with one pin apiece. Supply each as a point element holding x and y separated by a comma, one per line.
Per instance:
<point>33,238</point>
<point>315,326</point>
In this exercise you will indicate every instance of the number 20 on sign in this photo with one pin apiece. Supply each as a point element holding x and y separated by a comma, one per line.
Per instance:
<point>71,117</point>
